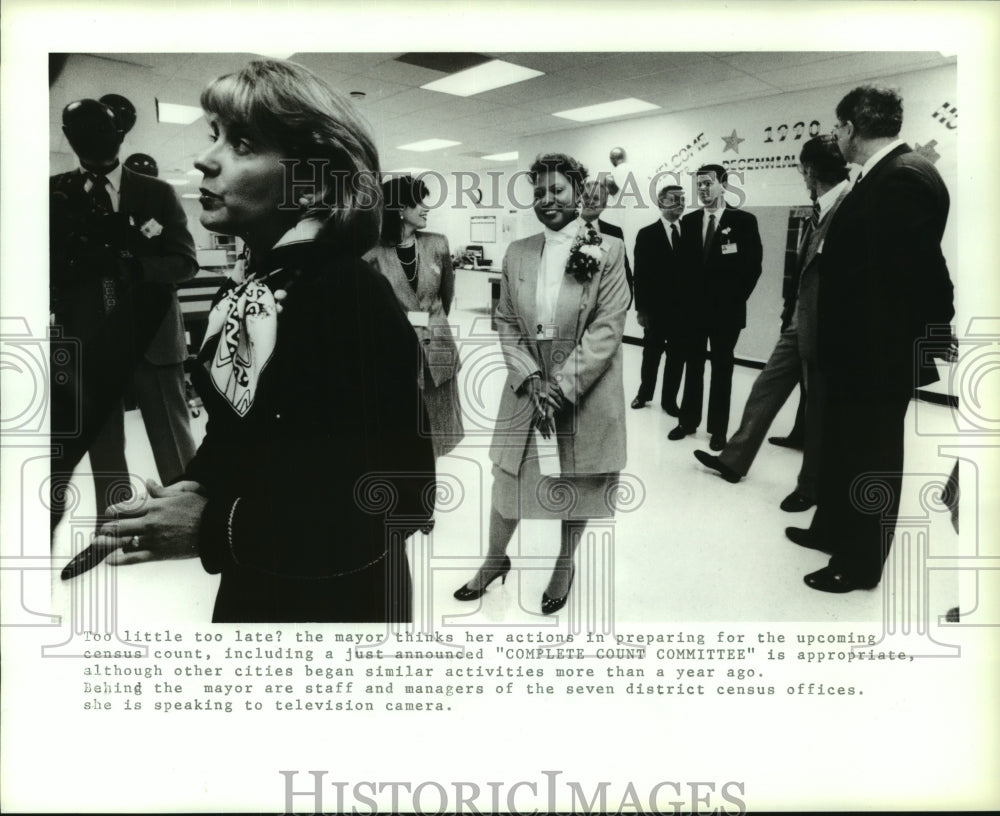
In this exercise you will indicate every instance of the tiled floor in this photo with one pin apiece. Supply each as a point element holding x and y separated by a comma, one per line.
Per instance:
<point>687,546</point>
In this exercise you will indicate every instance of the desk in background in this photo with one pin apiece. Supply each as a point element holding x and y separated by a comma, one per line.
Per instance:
<point>478,290</point>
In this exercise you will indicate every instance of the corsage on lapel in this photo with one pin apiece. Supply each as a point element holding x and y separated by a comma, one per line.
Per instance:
<point>586,256</point>
<point>151,228</point>
<point>727,230</point>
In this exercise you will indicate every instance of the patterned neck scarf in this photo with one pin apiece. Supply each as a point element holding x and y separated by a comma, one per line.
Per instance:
<point>246,322</point>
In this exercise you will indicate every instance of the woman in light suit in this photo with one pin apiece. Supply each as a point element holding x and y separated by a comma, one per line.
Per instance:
<point>418,266</point>
<point>561,316</point>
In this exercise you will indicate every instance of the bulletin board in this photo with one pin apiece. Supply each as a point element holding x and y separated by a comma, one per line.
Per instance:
<point>483,229</point>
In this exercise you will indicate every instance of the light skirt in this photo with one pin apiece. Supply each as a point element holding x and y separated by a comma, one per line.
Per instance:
<point>535,496</point>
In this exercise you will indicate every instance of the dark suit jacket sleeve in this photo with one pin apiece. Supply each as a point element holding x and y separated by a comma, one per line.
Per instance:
<point>753,261</point>
<point>629,279</point>
<point>643,272</point>
<point>909,249</point>
<point>616,231</point>
<point>169,257</point>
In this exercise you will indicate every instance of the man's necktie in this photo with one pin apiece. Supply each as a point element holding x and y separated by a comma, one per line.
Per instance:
<point>99,195</point>
<point>100,202</point>
<point>675,236</point>
<point>709,235</point>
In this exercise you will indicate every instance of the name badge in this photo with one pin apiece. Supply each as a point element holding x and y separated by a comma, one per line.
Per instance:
<point>729,249</point>
<point>419,319</point>
<point>547,331</point>
<point>548,454</point>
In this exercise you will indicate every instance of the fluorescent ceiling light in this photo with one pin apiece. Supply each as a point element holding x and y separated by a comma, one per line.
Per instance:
<point>605,110</point>
<point>485,77</point>
<point>177,114</point>
<point>193,172</point>
<point>512,156</point>
<point>428,144</point>
<point>191,195</point>
<point>178,182</point>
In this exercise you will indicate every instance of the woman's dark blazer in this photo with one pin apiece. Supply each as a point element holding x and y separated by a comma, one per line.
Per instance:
<point>313,491</point>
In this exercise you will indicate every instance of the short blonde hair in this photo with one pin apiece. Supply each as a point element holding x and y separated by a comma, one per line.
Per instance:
<point>287,107</point>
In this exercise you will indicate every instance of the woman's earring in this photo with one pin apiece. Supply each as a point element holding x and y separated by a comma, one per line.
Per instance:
<point>304,202</point>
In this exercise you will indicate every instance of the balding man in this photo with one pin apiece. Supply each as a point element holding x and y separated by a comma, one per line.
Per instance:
<point>595,201</point>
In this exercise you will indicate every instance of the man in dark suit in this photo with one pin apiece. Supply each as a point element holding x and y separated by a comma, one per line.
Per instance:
<point>661,259</point>
<point>595,201</point>
<point>824,172</point>
<point>883,284</point>
<point>727,264</point>
<point>145,249</point>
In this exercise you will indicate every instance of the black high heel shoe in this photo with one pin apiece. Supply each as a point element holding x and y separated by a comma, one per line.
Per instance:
<point>464,593</point>
<point>552,605</point>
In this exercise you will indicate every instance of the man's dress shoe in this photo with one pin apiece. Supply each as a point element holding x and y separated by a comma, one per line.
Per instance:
<point>795,502</point>
<point>717,442</point>
<point>715,463</point>
<point>639,402</point>
<point>786,442</point>
<point>831,580</point>
<point>805,537</point>
<point>679,433</point>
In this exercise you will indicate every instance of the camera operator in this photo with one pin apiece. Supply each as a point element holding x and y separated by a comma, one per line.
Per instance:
<point>119,245</point>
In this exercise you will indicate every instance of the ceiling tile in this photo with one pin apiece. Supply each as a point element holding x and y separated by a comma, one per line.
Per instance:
<point>347,64</point>
<point>531,90</point>
<point>853,67</point>
<point>575,99</point>
<point>459,108</point>
<point>400,72</point>
<point>552,63</point>
<point>627,66</point>
<point>401,104</point>
<point>374,89</point>
<point>764,61</point>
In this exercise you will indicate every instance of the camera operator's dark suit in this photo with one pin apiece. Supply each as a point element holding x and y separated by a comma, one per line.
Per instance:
<point>138,336</point>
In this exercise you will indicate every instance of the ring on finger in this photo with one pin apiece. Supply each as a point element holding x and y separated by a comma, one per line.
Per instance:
<point>131,545</point>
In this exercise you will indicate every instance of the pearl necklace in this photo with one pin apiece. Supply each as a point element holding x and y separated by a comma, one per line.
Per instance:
<point>409,267</point>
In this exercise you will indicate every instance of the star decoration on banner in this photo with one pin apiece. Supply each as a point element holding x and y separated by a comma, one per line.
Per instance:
<point>928,151</point>
<point>732,142</point>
